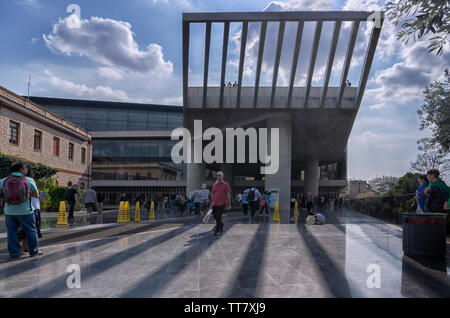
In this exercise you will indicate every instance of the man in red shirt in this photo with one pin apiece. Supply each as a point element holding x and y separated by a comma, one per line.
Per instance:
<point>220,200</point>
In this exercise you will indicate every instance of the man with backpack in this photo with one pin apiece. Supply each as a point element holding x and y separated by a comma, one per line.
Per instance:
<point>17,189</point>
<point>253,198</point>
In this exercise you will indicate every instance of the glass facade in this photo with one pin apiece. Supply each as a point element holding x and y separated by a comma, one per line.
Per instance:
<point>135,160</point>
<point>125,159</point>
<point>119,119</point>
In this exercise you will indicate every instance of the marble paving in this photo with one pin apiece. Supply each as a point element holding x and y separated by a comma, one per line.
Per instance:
<point>261,260</point>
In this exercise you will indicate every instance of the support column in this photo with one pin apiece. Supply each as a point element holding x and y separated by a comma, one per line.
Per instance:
<point>282,179</point>
<point>195,176</point>
<point>195,172</point>
<point>312,176</point>
<point>343,166</point>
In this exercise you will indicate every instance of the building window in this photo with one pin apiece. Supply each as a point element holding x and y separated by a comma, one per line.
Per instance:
<point>83,155</point>
<point>56,146</point>
<point>71,151</point>
<point>37,140</point>
<point>14,132</point>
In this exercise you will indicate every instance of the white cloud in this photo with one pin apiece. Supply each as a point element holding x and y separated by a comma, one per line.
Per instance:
<point>33,4</point>
<point>109,42</point>
<point>63,81</point>
<point>183,3</point>
<point>405,81</point>
<point>110,73</point>
<point>97,92</point>
<point>292,5</point>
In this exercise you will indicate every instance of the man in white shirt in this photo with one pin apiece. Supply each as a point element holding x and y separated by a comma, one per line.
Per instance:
<point>253,198</point>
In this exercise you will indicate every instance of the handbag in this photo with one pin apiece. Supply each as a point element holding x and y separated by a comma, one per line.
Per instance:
<point>207,216</point>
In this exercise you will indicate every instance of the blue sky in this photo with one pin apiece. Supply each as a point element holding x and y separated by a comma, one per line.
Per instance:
<point>131,51</point>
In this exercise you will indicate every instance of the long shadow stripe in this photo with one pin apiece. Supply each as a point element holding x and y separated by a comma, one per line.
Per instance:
<point>334,276</point>
<point>152,284</point>
<point>250,270</point>
<point>20,268</point>
<point>49,290</point>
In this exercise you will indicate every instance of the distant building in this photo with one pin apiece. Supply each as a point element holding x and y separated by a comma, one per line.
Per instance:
<point>131,145</point>
<point>358,188</point>
<point>383,184</point>
<point>32,133</point>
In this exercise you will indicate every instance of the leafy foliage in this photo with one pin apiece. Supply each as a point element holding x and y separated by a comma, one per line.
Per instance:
<point>40,171</point>
<point>429,16</point>
<point>435,114</point>
<point>56,194</point>
<point>407,184</point>
<point>430,157</point>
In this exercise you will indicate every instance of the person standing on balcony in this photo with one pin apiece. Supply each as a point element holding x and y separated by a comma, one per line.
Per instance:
<point>420,194</point>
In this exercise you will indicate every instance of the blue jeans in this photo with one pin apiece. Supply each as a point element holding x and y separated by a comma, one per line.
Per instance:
<point>28,223</point>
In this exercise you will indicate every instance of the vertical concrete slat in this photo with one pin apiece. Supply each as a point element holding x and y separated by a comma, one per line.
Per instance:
<point>348,58</point>
<point>241,62</point>
<point>336,31</point>
<point>206,64</point>
<point>262,39</point>
<point>312,61</point>
<point>370,53</point>
<point>186,27</point>
<point>295,61</point>
<point>226,34</point>
<point>277,62</point>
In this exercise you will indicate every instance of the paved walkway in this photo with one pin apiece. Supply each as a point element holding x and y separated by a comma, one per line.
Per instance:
<point>248,260</point>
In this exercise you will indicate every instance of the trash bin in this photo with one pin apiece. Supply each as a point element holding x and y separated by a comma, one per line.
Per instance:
<point>424,234</point>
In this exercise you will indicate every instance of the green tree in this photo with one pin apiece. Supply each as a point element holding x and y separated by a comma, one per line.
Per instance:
<point>435,115</point>
<point>430,157</point>
<point>428,16</point>
<point>40,171</point>
<point>407,184</point>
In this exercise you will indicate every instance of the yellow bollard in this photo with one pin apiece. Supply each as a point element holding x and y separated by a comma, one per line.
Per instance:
<point>120,215</point>
<point>152,211</point>
<point>137,213</point>
<point>127,212</point>
<point>296,213</point>
<point>276,217</point>
<point>62,217</point>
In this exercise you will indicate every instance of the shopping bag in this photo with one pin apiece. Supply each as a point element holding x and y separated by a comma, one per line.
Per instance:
<point>207,216</point>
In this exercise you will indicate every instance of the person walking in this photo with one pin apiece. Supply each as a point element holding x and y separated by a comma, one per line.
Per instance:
<point>36,205</point>
<point>220,200</point>
<point>196,195</point>
<point>204,199</point>
<point>43,197</point>
<point>72,198</point>
<point>17,190</point>
<point>245,204</point>
<point>264,204</point>
<point>253,198</point>
<point>100,201</point>
<point>90,200</point>
<point>159,201</point>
